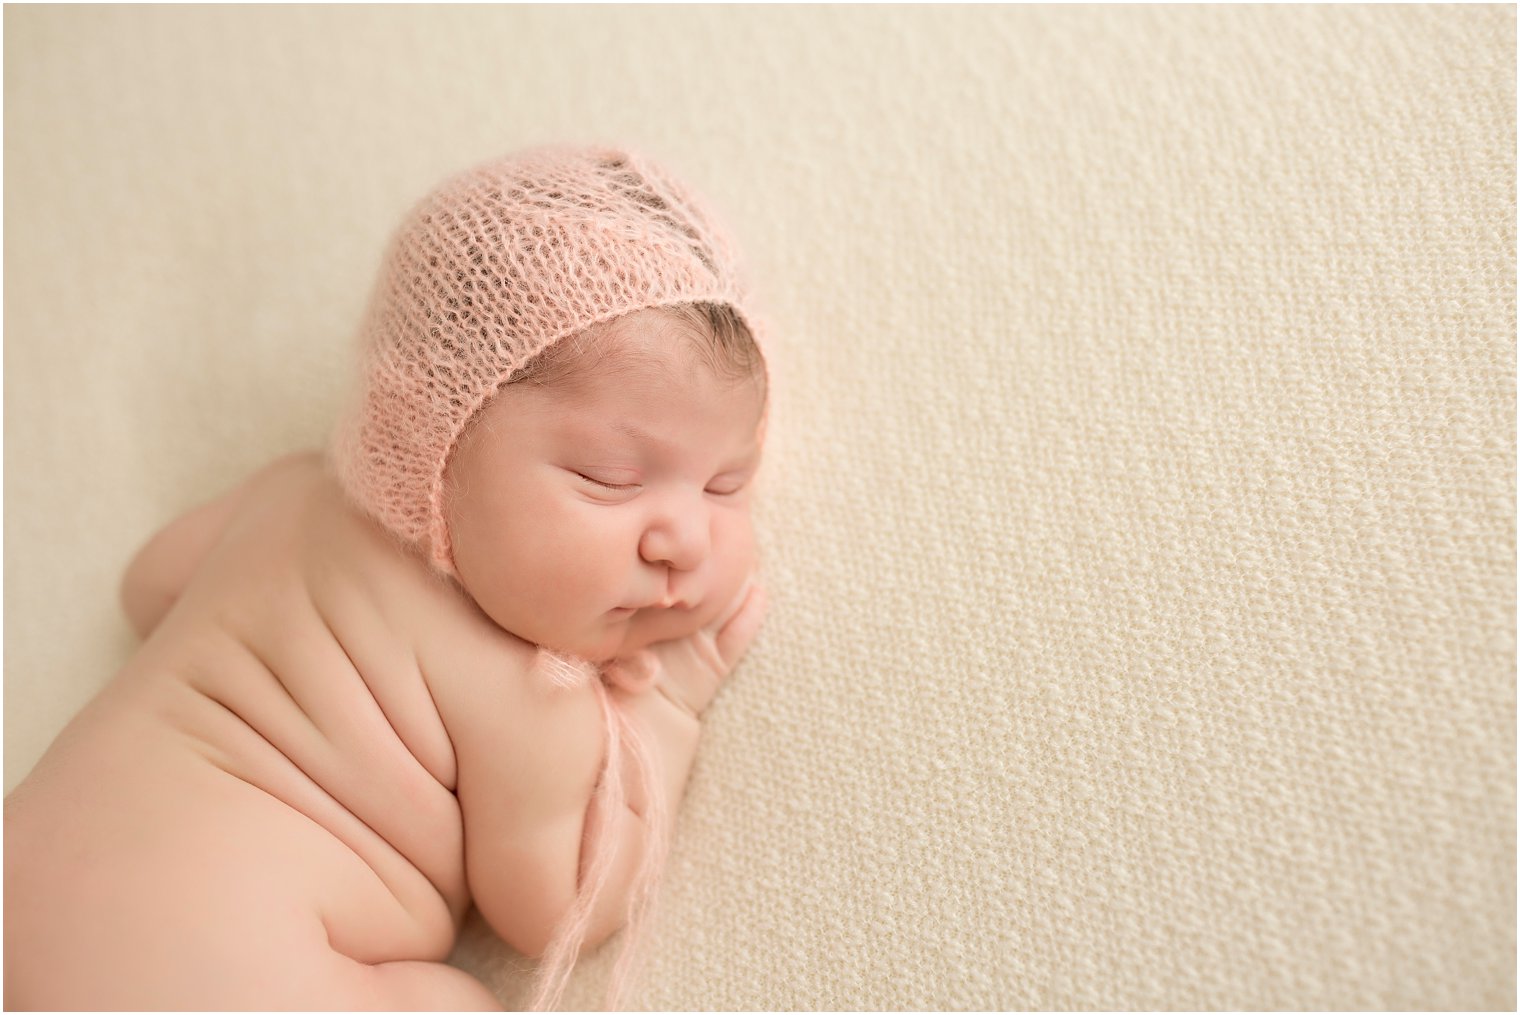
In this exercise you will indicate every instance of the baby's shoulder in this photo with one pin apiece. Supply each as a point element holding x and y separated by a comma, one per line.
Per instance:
<point>294,513</point>
<point>464,657</point>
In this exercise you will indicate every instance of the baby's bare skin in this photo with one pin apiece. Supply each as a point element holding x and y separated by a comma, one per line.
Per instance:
<point>324,751</point>
<point>244,787</point>
<point>260,810</point>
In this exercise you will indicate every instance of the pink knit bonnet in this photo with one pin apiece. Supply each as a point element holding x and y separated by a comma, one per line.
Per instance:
<point>492,268</point>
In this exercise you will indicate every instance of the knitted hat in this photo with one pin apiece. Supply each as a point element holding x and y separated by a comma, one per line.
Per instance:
<point>492,268</point>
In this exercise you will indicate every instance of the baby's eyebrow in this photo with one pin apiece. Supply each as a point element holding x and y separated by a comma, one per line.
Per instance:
<point>633,432</point>
<point>749,458</point>
<point>598,432</point>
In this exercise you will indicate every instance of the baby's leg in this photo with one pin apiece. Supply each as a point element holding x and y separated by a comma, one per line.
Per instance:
<point>323,980</point>
<point>429,986</point>
<point>280,961</point>
<point>320,979</point>
<point>166,884</point>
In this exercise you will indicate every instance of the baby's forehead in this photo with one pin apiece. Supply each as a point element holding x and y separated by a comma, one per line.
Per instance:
<point>621,392</point>
<point>649,349</point>
<point>651,405</point>
<point>647,372</point>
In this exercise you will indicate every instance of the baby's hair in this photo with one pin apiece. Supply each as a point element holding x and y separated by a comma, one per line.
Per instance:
<point>715,330</point>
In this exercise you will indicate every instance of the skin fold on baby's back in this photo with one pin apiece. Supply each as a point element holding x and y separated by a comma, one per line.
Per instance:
<point>274,748</point>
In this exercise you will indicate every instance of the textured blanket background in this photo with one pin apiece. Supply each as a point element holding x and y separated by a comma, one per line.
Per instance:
<point>1140,516</point>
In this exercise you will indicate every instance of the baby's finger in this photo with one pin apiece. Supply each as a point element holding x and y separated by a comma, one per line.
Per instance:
<point>735,637</point>
<point>730,611</point>
<point>634,674</point>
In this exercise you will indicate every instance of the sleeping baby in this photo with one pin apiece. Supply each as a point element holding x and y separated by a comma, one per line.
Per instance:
<point>460,658</point>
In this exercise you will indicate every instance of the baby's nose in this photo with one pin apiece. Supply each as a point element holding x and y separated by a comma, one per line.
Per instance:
<point>681,541</point>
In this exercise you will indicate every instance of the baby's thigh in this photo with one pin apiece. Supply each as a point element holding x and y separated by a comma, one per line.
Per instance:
<point>426,986</point>
<point>307,977</point>
<point>196,892</point>
<point>302,973</point>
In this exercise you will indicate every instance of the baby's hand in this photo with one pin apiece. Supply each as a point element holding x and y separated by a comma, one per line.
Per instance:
<point>688,671</point>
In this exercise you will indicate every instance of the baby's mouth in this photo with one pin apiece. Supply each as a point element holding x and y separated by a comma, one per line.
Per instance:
<point>673,605</point>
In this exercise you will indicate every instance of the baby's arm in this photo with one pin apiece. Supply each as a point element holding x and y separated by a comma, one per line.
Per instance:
<point>161,569</point>
<point>664,692</point>
<point>526,786</point>
<point>527,758</point>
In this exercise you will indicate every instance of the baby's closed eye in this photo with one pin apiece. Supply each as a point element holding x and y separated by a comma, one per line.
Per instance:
<point>727,486</point>
<point>621,484</point>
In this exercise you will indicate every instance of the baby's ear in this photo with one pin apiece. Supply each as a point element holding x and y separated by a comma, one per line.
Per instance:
<point>635,674</point>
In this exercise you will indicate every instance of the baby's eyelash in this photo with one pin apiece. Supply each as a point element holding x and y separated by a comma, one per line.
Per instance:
<point>729,485</point>
<point>607,486</point>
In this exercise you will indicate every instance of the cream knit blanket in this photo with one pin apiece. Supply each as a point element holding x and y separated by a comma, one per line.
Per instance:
<point>1140,512</point>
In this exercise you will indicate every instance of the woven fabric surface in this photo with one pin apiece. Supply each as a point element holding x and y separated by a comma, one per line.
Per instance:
<point>1139,511</point>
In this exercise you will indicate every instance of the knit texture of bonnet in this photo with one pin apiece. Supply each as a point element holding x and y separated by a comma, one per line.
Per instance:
<point>492,268</point>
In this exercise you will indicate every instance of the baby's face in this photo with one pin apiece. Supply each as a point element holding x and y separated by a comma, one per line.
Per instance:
<point>605,513</point>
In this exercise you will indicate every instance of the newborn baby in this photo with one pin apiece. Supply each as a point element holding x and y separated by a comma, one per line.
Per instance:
<point>459,658</point>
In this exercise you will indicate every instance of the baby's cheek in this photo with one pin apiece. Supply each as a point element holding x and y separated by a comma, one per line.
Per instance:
<point>735,556</point>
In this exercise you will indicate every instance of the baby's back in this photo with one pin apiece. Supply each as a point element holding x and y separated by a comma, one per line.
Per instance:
<point>269,771</point>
